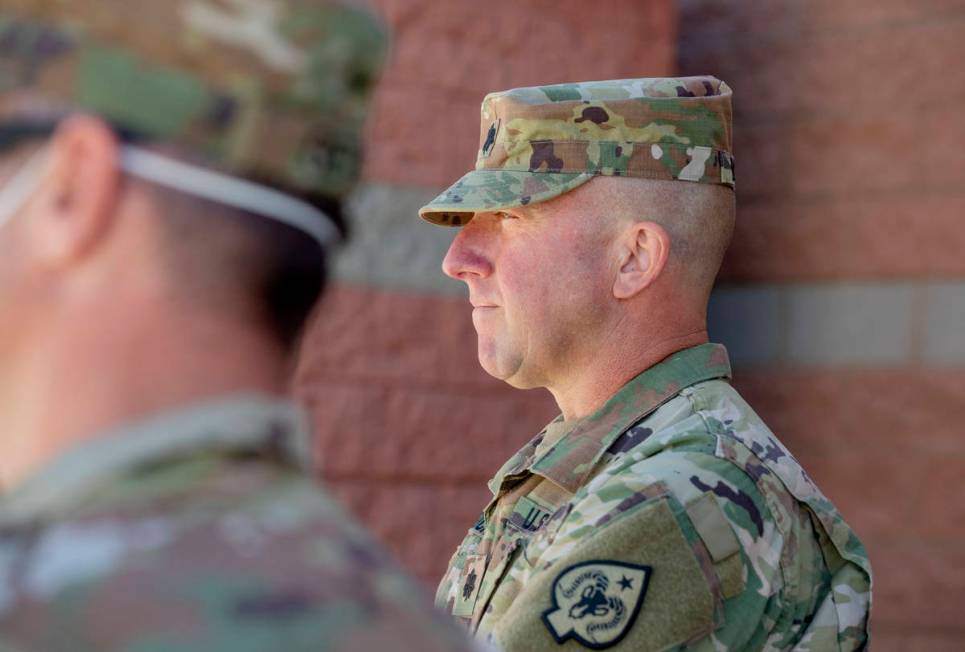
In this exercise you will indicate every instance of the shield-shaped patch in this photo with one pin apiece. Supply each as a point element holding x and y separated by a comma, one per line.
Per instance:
<point>595,602</point>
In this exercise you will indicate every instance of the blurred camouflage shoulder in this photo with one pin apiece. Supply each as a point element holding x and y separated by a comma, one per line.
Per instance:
<point>222,545</point>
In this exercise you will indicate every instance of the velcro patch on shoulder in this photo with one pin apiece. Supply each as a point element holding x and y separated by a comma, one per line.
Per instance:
<point>712,526</point>
<point>667,599</point>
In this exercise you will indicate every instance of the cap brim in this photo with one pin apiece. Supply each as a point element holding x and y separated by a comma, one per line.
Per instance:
<point>492,190</point>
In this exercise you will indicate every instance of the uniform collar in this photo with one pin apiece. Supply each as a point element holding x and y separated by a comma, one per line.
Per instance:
<point>242,422</point>
<point>571,460</point>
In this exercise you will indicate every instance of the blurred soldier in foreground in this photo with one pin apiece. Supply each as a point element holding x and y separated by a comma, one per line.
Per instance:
<point>170,177</point>
<point>657,512</point>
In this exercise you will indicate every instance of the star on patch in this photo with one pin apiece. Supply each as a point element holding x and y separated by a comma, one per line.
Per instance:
<point>625,583</point>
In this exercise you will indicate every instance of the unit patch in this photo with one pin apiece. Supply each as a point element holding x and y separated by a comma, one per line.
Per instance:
<point>595,602</point>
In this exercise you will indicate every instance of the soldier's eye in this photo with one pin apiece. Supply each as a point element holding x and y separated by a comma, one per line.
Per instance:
<point>506,216</point>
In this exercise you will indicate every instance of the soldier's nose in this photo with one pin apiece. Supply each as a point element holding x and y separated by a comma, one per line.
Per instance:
<point>467,257</point>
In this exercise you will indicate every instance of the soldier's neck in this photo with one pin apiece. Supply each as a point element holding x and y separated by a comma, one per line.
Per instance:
<point>95,374</point>
<point>585,392</point>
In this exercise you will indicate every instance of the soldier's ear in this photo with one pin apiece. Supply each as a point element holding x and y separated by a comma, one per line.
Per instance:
<point>76,196</point>
<point>643,251</point>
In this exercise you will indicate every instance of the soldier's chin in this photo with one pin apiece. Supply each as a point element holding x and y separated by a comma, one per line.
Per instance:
<point>502,365</point>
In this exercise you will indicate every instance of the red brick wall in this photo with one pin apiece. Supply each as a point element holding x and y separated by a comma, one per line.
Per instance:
<point>851,167</point>
<point>448,55</point>
<point>850,145</point>
<point>848,133</point>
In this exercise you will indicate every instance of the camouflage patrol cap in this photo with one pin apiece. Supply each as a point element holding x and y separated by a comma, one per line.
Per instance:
<point>272,90</point>
<point>539,142</point>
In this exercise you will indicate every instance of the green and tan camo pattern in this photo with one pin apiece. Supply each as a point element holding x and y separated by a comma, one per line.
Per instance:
<point>273,90</point>
<point>676,472</point>
<point>539,142</point>
<point>200,531</point>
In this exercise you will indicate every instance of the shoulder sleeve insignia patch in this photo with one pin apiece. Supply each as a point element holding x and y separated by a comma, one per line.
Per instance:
<point>595,602</point>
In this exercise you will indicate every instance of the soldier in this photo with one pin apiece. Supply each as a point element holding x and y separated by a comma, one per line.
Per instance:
<point>657,512</point>
<point>169,183</point>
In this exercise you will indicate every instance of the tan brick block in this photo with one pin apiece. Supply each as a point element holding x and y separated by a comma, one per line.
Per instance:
<point>850,324</point>
<point>944,315</point>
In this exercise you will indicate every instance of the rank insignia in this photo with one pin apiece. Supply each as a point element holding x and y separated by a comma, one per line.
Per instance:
<point>490,141</point>
<point>596,602</point>
<point>468,588</point>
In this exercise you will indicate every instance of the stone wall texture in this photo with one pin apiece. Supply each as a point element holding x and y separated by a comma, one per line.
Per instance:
<point>842,299</point>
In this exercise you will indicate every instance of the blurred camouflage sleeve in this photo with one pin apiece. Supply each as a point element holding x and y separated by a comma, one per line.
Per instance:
<point>286,571</point>
<point>200,530</point>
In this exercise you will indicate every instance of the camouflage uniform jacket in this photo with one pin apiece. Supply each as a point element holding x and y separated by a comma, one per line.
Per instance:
<point>199,530</point>
<point>671,518</point>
